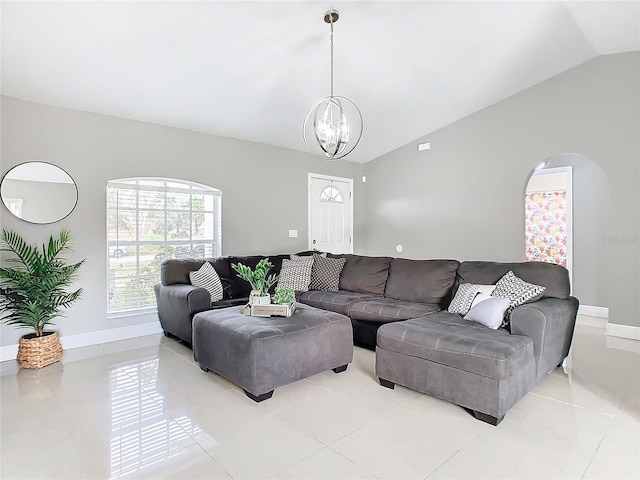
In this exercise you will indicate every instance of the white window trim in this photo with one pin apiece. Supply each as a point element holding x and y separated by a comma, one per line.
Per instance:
<point>191,188</point>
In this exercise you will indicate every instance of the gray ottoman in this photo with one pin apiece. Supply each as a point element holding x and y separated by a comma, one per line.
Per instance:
<point>486,371</point>
<point>260,354</point>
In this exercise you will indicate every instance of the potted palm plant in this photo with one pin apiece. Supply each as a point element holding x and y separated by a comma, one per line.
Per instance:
<point>33,293</point>
<point>258,279</point>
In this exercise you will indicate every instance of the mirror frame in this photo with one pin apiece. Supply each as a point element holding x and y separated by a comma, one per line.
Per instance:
<point>75,186</point>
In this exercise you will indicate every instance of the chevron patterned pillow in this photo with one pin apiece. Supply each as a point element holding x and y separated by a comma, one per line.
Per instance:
<point>207,278</point>
<point>517,291</point>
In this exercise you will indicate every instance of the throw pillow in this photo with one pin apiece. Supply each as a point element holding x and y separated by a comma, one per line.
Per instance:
<point>463,299</point>
<point>325,274</point>
<point>481,297</point>
<point>489,312</point>
<point>294,256</point>
<point>207,278</point>
<point>296,274</point>
<point>517,290</point>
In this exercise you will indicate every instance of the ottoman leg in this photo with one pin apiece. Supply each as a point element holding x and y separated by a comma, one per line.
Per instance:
<point>339,369</point>
<point>487,418</point>
<point>259,398</point>
<point>204,369</point>
<point>387,383</point>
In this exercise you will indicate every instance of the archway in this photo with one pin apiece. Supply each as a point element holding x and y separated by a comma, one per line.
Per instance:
<point>587,204</point>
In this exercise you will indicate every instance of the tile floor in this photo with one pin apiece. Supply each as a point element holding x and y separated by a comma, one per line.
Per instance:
<point>141,408</point>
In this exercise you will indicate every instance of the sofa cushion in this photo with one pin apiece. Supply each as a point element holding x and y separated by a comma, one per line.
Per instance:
<point>554,277</point>
<point>176,271</point>
<point>447,339</point>
<point>426,281</point>
<point>365,274</point>
<point>242,288</point>
<point>339,302</point>
<point>222,266</point>
<point>383,310</point>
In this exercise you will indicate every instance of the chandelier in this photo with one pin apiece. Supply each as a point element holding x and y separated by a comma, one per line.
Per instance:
<point>333,126</point>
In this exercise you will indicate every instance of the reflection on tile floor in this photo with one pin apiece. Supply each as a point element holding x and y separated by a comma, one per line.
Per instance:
<point>141,408</point>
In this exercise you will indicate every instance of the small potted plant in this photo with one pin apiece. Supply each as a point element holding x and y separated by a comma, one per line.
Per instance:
<point>33,292</point>
<point>284,296</point>
<point>258,279</point>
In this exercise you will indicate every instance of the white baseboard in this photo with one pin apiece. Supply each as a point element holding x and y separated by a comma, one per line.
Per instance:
<point>591,311</point>
<point>10,352</point>
<point>591,321</point>
<point>624,331</point>
<point>613,329</point>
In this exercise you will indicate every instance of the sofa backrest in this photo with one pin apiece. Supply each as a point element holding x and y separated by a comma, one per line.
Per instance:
<point>241,288</point>
<point>365,274</point>
<point>176,271</point>
<point>426,281</point>
<point>554,277</point>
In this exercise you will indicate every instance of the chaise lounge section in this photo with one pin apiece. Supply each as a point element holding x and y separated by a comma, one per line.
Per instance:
<point>486,371</point>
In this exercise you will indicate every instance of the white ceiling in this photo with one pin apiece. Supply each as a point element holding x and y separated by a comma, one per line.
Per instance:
<point>251,70</point>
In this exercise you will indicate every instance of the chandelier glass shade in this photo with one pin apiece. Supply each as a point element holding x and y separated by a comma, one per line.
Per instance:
<point>333,126</point>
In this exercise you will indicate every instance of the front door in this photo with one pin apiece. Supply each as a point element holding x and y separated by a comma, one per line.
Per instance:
<point>330,212</point>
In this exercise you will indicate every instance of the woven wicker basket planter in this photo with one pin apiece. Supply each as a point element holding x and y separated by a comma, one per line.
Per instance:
<point>38,352</point>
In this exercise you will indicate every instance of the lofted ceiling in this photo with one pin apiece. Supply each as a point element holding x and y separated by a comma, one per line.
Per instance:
<point>251,70</point>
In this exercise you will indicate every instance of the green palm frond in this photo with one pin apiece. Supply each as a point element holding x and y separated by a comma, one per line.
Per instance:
<point>33,290</point>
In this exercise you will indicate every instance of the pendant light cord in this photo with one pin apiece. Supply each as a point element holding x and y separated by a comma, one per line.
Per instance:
<point>331,18</point>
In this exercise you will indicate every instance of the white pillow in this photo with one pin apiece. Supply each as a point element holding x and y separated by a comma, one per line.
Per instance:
<point>296,274</point>
<point>489,312</point>
<point>481,297</point>
<point>465,295</point>
<point>207,278</point>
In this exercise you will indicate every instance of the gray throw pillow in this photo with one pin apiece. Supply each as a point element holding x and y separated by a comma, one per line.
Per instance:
<point>325,274</point>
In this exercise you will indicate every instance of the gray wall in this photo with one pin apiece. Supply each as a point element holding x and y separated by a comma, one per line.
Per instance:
<point>95,148</point>
<point>464,198</point>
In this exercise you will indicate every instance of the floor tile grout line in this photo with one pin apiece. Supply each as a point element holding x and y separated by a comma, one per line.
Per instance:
<point>214,460</point>
<point>575,405</point>
<point>593,457</point>
<point>452,455</point>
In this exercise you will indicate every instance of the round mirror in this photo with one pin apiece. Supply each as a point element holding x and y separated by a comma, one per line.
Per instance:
<point>39,192</point>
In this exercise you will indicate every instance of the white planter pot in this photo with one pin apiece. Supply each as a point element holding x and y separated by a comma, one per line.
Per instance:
<point>257,299</point>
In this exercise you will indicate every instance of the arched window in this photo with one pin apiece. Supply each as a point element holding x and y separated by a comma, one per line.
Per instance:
<point>331,194</point>
<point>149,220</point>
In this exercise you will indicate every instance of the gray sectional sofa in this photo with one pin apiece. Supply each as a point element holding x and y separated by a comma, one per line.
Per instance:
<point>399,308</point>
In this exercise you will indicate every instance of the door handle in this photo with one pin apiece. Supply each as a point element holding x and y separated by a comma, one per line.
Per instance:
<point>314,242</point>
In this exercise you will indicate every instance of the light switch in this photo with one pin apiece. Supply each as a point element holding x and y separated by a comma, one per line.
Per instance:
<point>293,233</point>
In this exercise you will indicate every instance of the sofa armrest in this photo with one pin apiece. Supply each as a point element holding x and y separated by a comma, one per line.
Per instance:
<point>549,322</point>
<point>177,304</point>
